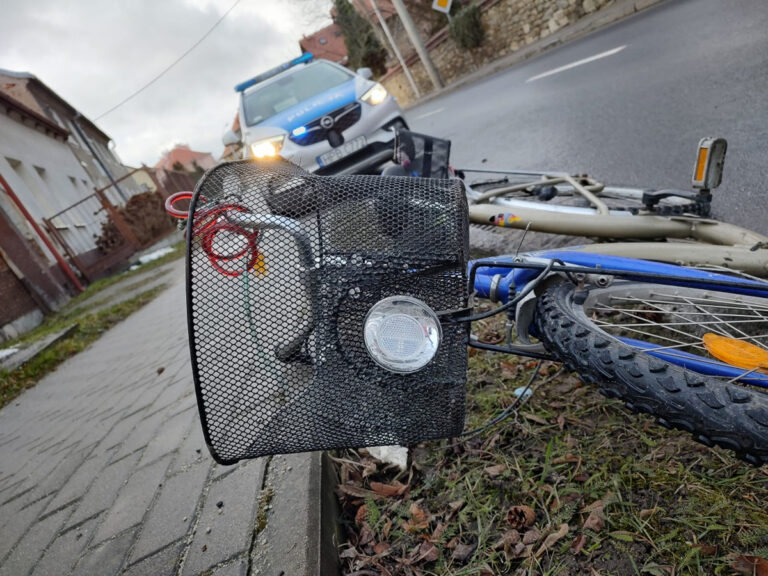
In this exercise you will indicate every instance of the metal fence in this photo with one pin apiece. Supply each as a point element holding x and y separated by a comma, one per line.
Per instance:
<point>99,232</point>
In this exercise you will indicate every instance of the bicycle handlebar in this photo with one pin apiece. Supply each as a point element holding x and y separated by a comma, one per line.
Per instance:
<point>272,222</point>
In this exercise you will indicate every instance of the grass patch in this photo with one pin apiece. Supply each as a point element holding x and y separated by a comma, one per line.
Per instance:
<point>89,328</point>
<point>611,492</point>
<point>263,509</point>
<point>99,285</point>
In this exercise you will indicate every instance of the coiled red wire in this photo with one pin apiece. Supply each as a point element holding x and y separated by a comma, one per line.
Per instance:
<point>212,220</point>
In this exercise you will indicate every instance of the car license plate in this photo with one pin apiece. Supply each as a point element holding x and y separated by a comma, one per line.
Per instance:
<point>344,150</point>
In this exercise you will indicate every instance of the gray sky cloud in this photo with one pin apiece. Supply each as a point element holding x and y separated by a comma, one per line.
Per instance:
<point>94,53</point>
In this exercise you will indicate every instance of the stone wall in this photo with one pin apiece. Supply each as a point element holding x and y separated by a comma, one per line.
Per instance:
<point>509,26</point>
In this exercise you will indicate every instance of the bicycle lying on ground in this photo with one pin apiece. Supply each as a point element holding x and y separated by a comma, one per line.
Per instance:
<point>667,225</point>
<point>329,312</point>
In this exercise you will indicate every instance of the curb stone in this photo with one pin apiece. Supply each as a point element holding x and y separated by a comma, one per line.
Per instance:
<point>22,355</point>
<point>301,532</point>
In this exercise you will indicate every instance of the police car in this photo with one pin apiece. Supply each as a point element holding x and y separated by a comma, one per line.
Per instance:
<point>318,115</point>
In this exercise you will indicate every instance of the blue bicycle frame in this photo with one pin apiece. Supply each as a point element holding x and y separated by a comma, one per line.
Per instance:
<point>501,278</point>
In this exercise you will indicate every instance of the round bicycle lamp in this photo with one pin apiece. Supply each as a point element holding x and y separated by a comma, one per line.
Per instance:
<point>402,334</point>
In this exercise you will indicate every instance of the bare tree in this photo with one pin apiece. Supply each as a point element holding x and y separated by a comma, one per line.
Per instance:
<point>315,14</point>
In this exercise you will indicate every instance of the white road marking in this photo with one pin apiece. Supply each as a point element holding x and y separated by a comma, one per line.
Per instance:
<point>577,63</point>
<point>428,114</point>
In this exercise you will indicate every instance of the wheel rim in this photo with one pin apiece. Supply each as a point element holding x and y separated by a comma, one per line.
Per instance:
<point>670,322</point>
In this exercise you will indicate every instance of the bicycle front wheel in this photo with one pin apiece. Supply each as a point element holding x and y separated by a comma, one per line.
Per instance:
<point>645,344</point>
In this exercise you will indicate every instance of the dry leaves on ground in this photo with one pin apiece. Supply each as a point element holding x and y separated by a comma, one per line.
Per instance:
<point>594,522</point>
<point>496,470</point>
<point>361,514</point>
<point>531,536</point>
<point>507,539</point>
<point>428,552</point>
<point>550,540</point>
<point>390,490</point>
<point>752,565</point>
<point>419,519</point>
<point>596,519</point>
<point>578,544</point>
<point>462,552</point>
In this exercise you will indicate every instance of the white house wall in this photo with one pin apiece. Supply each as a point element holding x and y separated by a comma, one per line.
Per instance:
<point>63,182</point>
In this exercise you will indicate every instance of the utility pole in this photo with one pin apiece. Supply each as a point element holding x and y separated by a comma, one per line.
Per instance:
<point>413,34</point>
<point>399,56</point>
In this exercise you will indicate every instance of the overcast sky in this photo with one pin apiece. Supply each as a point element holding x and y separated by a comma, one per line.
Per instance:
<point>94,53</point>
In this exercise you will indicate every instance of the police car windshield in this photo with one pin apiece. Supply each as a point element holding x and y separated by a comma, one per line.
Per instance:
<point>291,89</point>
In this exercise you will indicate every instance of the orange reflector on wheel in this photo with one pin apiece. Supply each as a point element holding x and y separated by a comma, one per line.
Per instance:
<point>736,352</point>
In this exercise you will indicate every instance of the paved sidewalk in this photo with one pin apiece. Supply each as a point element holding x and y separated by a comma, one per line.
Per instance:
<point>103,468</point>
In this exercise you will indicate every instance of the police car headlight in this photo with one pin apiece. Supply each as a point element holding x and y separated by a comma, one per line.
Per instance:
<point>375,95</point>
<point>402,334</point>
<point>268,147</point>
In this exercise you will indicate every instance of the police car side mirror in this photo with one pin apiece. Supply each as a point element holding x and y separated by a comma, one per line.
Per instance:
<point>365,73</point>
<point>230,138</point>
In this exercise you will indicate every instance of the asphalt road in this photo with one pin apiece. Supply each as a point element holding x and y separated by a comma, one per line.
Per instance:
<point>667,77</point>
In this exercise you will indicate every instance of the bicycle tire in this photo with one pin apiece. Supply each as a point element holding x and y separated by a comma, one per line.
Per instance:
<point>715,412</point>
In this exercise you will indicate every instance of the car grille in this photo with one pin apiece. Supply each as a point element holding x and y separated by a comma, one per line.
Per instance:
<point>343,118</point>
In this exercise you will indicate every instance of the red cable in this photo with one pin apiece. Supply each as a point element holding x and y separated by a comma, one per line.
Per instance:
<point>211,220</point>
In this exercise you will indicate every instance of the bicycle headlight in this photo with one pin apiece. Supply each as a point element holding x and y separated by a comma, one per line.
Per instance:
<point>402,334</point>
<point>376,95</point>
<point>268,147</point>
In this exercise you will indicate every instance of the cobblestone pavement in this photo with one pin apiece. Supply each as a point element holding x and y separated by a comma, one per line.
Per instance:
<point>103,468</point>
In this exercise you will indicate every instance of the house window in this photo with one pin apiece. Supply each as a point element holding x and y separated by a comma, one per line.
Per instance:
<point>52,114</point>
<point>32,193</point>
<point>73,134</point>
<point>75,213</point>
<point>13,162</point>
<point>46,193</point>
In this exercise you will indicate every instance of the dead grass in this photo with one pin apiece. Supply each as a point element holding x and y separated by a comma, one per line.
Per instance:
<point>612,493</point>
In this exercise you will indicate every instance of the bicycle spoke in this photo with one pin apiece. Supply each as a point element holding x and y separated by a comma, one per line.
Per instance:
<point>637,317</point>
<point>649,323</point>
<point>672,323</point>
<point>650,334</point>
<point>713,302</point>
<point>764,318</point>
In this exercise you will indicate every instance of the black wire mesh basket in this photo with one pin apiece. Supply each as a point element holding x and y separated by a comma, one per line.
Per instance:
<point>282,269</point>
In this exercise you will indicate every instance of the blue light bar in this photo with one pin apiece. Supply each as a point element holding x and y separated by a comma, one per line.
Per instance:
<point>306,57</point>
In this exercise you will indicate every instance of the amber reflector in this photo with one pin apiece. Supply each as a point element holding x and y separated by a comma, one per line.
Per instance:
<point>736,352</point>
<point>701,163</point>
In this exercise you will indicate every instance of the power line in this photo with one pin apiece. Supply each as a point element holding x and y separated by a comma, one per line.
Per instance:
<point>179,59</point>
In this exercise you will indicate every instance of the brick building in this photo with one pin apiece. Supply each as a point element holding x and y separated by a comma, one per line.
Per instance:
<point>327,44</point>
